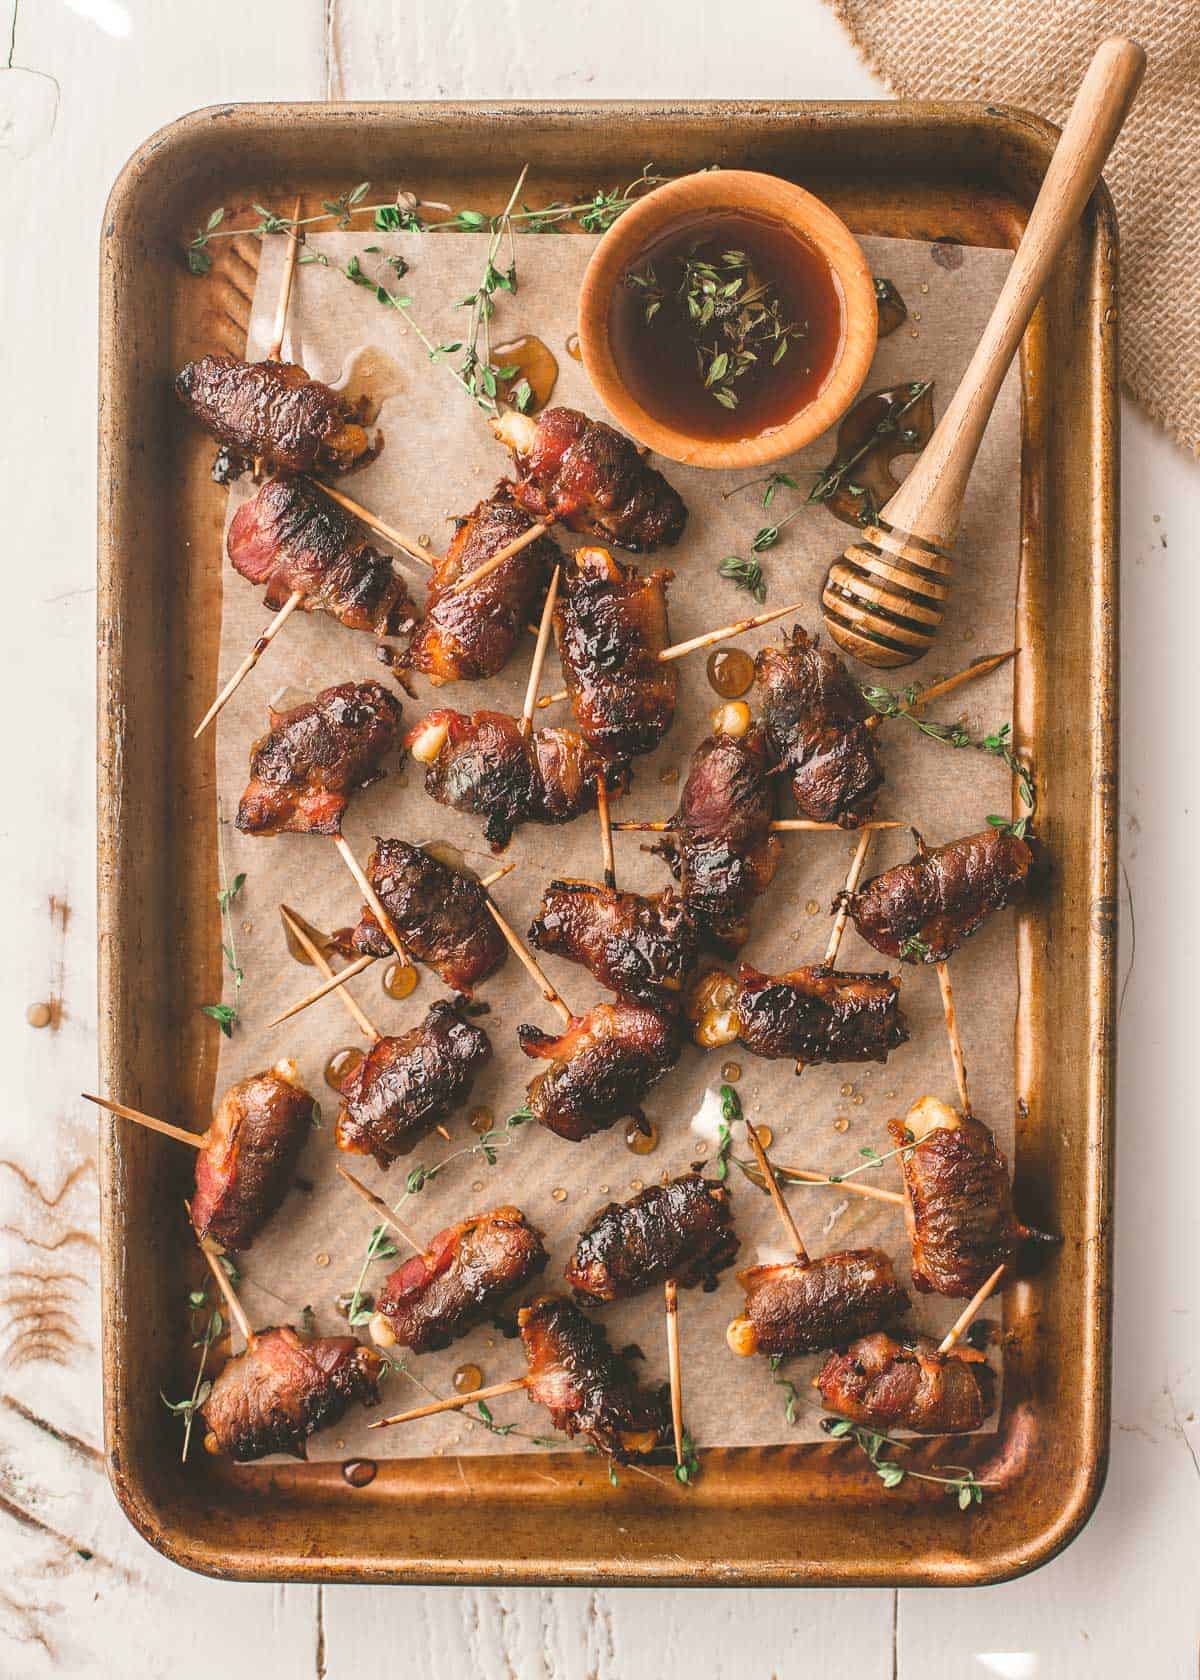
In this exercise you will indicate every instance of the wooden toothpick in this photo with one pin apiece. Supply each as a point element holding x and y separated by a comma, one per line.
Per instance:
<point>391,533</point>
<point>196,1140</point>
<point>236,1310</point>
<point>381,1208</point>
<point>539,653</point>
<point>853,877</point>
<point>371,896</point>
<point>525,958</point>
<point>671,1295</point>
<point>321,963</point>
<point>952,1034</point>
<point>777,1196</point>
<point>963,1321</point>
<point>294,600</point>
<point>454,1404</point>
<point>486,567</point>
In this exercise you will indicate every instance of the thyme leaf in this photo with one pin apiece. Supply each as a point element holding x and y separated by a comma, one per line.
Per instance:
<point>747,574</point>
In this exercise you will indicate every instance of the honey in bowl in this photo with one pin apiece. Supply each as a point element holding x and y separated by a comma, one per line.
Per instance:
<point>727,325</point>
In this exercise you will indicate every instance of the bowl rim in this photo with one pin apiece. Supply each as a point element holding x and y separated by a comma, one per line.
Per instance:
<point>734,190</point>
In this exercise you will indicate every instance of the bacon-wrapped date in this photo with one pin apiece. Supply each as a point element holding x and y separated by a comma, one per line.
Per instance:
<point>404,1086</point>
<point>250,1154</point>
<point>809,1015</point>
<point>610,625</point>
<point>485,765</point>
<point>273,411</point>
<point>440,914</point>
<point>468,634</point>
<point>601,1067</point>
<point>592,478</point>
<point>886,1384</point>
<point>815,718</point>
<point>458,1281</point>
<point>807,1305</point>
<point>922,910</point>
<point>284,1388</point>
<point>959,1206</point>
<point>291,537</point>
<point>681,1230</point>
<point>587,1389</point>
<point>721,847</point>
<point>303,770</point>
<point>640,947</point>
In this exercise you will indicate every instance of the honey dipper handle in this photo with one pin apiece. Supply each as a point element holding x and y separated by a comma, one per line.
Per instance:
<point>929,502</point>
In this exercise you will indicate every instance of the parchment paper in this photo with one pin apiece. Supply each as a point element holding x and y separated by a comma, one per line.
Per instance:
<point>439,459</point>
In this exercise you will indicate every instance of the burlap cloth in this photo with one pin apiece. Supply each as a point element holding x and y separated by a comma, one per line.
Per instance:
<point>1033,53</point>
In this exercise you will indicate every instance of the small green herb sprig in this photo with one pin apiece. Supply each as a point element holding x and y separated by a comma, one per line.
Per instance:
<point>872,1158</point>
<point>379,1244</point>
<point>731,1113</point>
<point>964,1487</point>
<point>206,1323</point>
<point>916,947</point>
<point>226,1014</point>
<point>998,744</point>
<point>735,320</point>
<point>687,1473</point>
<point>836,476</point>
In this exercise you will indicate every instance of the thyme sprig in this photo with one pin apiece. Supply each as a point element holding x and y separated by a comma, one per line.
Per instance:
<point>226,1014</point>
<point>836,476</point>
<point>401,215</point>
<point>747,574</point>
<point>872,1158</point>
<point>731,1113</point>
<point>205,1331</point>
<point>965,1487</point>
<point>998,744</point>
<point>734,319</point>
<point>482,1413</point>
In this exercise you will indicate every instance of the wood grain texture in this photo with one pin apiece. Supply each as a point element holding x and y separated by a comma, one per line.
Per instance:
<point>1123,1597</point>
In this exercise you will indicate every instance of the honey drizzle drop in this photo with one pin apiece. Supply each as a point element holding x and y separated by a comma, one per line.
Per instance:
<point>730,671</point>
<point>534,362</point>
<point>641,1136</point>
<point>359,1472</point>
<point>341,1065</point>
<point>467,1379</point>
<point>399,979</point>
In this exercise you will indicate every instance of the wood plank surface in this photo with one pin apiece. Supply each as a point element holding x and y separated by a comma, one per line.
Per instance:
<point>82,1595</point>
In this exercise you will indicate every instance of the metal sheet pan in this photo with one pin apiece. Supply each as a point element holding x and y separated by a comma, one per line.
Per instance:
<point>786,1515</point>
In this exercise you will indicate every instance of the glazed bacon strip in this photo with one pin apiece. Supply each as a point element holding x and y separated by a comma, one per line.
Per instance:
<point>440,914</point>
<point>284,1388</point>
<point>610,626</point>
<point>886,1384</point>
<point>469,634</point>
<point>959,1206</point>
<point>292,538</point>
<point>923,910</point>
<point>484,764</point>
<point>640,947</point>
<point>815,719</point>
<point>721,847</point>
<point>590,478</point>
<point>250,1153</point>
<point>460,1280</point>
<point>587,1389</point>
<point>273,411</point>
<point>681,1230</point>
<point>601,1067</point>
<point>805,1306</point>
<point>810,1015</point>
<point>405,1085</point>
<point>303,770</point>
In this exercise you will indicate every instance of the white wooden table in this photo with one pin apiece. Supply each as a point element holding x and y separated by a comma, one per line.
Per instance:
<point>80,1593</point>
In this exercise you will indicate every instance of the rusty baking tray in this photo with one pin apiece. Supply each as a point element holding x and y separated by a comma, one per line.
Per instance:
<point>788,1514</point>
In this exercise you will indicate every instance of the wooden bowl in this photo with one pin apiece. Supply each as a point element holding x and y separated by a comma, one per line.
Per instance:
<point>732,190</point>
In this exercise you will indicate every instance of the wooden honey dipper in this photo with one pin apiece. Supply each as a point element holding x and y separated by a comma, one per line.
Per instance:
<point>883,599</point>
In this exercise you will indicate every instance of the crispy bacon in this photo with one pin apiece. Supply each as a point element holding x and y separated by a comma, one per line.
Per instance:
<point>640,947</point>
<point>807,1305</point>
<point>483,764</point>
<point>610,624</point>
<point>601,1067</point>
<point>959,1208</point>
<point>815,718</point>
<point>587,1389</point>
<point>886,1384</point>
<point>274,412</point>
<point>404,1086</point>
<point>681,1230</point>
<point>922,910</point>
<point>818,1014</point>
<point>283,1389</point>
<point>291,537</point>
<point>249,1159</point>
<point>721,846</point>
<point>313,757</point>
<point>594,480</point>
<point>440,914</point>
<point>470,633</point>
<point>459,1281</point>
